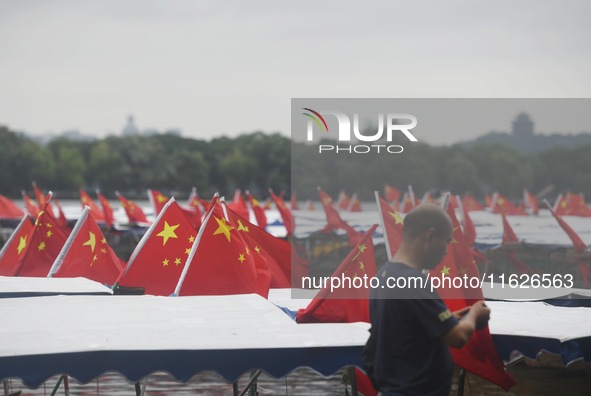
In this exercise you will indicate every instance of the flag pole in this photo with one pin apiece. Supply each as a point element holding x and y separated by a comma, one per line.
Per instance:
<point>388,249</point>
<point>66,248</point>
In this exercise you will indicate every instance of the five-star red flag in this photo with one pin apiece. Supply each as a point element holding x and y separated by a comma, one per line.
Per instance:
<point>238,204</point>
<point>470,203</point>
<point>220,261</point>
<point>578,244</point>
<point>343,200</point>
<point>15,247</point>
<point>95,210</point>
<point>392,223</point>
<point>258,210</point>
<point>158,201</point>
<point>61,219</point>
<point>502,204</point>
<point>47,240</point>
<point>479,356</point>
<point>509,237</point>
<point>32,209</point>
<point>355,204</point>
<point>284,212</point>
<point>334,221</point>
<point>348,303</point>
<point>195,202</point>
<point>9,210</point>
<point>107,210</point>
<point>158,260</point>
<point>42,201</point>
<point>392,194</point>
<point>134,213</point>
<point>86,253</point>
<point>530,201</point>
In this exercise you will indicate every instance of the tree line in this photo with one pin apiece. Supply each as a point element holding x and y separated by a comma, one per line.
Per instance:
<point>259,161</point>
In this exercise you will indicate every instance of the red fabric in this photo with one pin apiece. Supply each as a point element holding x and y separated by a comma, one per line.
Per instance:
<point>479,356</point>
<point>158,260</point>
<point>509,237</point>
<point>134,213</point>
<point>62,221</point>
<point>258,210</point>
<point>531,202</point>
<point>95,210</point>
<point>222,262</point>
<point>238,205</point>
<point>508,233</point>
<point>470,203</point>
<point>9,210</point>
<point>284,212</point>
<point>159,200</point>
<point>107,210</point>
<point>355,204</point>
<point>89,255</point>
<point>504,205</point>
<point>393,224</point>
<point>47,241</point>
<point>334,221</point>
<point>42,200</point>
<point>364,384</point>
<point>343,200</point>
<point>578,244</point>
<point>32,209</point>
<point>16,247</point>
<point>391,193</point>
<point>345,304</point>
<point>469,229</point>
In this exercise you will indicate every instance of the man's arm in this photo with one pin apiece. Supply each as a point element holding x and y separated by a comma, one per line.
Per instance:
<point>476,318</point>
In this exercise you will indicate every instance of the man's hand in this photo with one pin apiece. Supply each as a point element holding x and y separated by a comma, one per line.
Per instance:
<point>482,314</point>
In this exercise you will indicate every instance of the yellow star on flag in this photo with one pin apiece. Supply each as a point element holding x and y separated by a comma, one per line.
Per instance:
<point>241,257</point>
<point>168,232</point>
<point>41,246</point>
<point>453,236</point>
<point>191,239</point>
<point>49,234</point>
<point>257,249</point>
<point>165,262</point>
<point>103,250</point>
<point>22,243</point>
<point>91,241</point>
<point>161,198</point>
<point>445,270</point>
<point>188,250</point>
<point>397,217</point>
<point>104,241</point>
<point>242,227</point>
<point>223,228</point>
<point>361,266</point>
<point>177,261</point>
<point>94,258</point>
<point>362,248</point>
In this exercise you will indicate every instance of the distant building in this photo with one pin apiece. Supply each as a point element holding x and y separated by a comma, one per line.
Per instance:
<point>130,129</point>
<point>522,125</point>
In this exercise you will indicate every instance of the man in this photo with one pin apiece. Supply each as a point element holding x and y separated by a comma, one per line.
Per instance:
<point>407,352</point>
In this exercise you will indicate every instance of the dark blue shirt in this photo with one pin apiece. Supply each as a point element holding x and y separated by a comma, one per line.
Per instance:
<point>408,325</point>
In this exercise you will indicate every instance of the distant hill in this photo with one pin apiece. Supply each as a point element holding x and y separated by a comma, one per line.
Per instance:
<point>531,144</point>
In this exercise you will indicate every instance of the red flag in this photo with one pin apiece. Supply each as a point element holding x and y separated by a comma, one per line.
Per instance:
<point>469,229</point>
<point>259,211</point>
<point>42,199</point>
<point>195,202</point>
<point>355,204</point>
<point>15,247</point>
<point>509,237</point>
<point>578,244</point>
<point>107,210</point>
<point>32,209</point>
<point>9,210</point>
<point>284,212</point>
<point>334,221</point>
<point>406,204</point>
<point>220,262</point>
<point>470,203</point>
<point>530,201</point>
<point>238,204</point>
<point>293,202</point>
<point>392,223</point>
<point>343,200</point>
<point>479,356</point>
<point>391,193</point>
<point>346,303</point>
<point>502,204</point>
<point>95,211</point>
<point>47,240</point>
<point>86,253</point>
<point>135,214</point>
<point>61,219</point>
<point>158,201</point>
<point>158,260</point>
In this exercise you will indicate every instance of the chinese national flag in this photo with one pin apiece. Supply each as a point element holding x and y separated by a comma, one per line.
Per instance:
<point>42,200</point>
<point>578,244</point>
<point>220,261</point>
<point>158,260</point>
<point>135,214</point>
<point>95,210</point>
<point>502,204</point>
<point>392,223</point>
<point>284,212</point>
<point>195,202</point>
<point>47,240</point>
<point>509,237</point>
<point>259,211</point>
<point>345,304</point>
<point>32,209</point>
<point>392,194</point>
<point>158,201</point>
<point>468,228</point>
<point>470,203</point>
<point>531,202</point>
<point>343,200</point>
<point>9,210</point>
<point>334,221</point>
<point>15,247</point>
<point>406,204</point>
<point>293,202</point>
<point>479,356</point>
<point>107,210</point>
<point>238,204</point>
<point>355,204</point>
<point>86,253</point>
<point>61,219</point>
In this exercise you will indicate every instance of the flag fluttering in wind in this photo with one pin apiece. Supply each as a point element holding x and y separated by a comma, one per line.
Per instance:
<point>392,194</point>
<point>32,209</point>
<point>355,204</point>
<point>334,221</point>
<point>158,201</point>
<point>258,210</point>
<point>220,261</point>
<point>571,205</point>
<point>343,200</point>
<point>107,210</point>
<point>500,203</point>
<point>9,210</point>
<point>238,204</point>
<point>479,356</point>
<point>42,201</point>
<point>95,211</point>
<point>158,260</point>
<point>509,237</point>
<point>86,253</point>
<point>470,203</point>
<point>134,213</point>
<point>392,224</point>
<point>346,303</point>
<point>284,212</point>
<point>15,247</point>
<point>530,202</point>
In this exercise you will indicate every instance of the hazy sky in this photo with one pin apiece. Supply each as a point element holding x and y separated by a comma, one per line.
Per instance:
<point>227,67</point>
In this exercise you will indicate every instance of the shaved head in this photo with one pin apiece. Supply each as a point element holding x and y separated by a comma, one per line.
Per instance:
<point>424,217</point>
